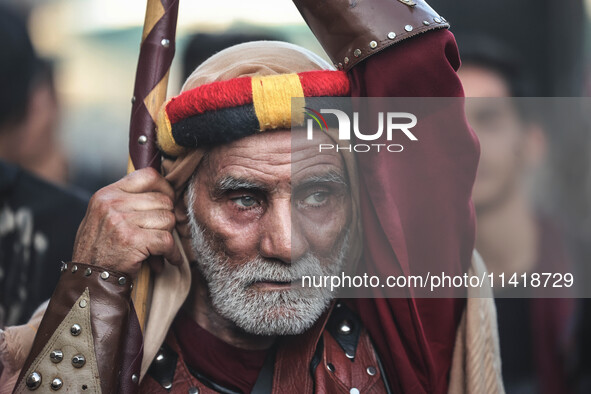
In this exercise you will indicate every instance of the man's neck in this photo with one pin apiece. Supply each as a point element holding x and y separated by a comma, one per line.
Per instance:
<point>507,236</point>
<point>201,310</point>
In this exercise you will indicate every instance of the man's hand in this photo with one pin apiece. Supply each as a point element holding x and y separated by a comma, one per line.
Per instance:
<point>127,222</point>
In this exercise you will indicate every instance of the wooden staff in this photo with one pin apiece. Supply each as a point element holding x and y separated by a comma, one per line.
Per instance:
<point>156,54</point>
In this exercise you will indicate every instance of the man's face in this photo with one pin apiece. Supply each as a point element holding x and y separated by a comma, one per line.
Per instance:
<point>501,133</point>
<point>264,211</point>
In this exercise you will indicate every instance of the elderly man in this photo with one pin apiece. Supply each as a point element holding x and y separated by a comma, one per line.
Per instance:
<point>255,208</point>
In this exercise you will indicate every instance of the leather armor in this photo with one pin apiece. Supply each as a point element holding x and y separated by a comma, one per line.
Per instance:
<point>335,356</point>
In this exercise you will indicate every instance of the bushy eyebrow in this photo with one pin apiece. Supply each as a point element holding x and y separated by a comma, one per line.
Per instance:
<point>329,177</point>
<point>230,183</point>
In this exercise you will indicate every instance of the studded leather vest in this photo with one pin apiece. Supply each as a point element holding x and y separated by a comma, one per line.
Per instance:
<point>334,356</point>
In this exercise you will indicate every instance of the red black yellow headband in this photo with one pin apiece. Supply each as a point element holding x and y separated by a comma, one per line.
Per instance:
<point>225,111</point>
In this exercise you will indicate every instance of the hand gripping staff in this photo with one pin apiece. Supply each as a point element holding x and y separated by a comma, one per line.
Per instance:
<point>156,54</point>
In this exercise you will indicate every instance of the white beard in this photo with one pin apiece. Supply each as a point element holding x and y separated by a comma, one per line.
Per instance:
<point>273,312</point>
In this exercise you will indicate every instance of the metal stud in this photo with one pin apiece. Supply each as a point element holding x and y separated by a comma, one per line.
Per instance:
<point>104,275</point>
<point>345,328</point>
<point>160,357</point>
<point>330,367</point>
<point>142,140</point>
<point>83,303</point>
<point>121,280</point>
<point>63,267</point>
<point>349,355</point>
<point>354,391</point>
<point>167,385</point>
<point>74,268</point>
<point>426,23</point>
<point>437,20</point>
<point>357,52</point>
<point>56,356</point>
<point>134,378</point>
<point>408,28</point>
<point>87,272</point>
<point>371,371</point>
<point>75,330</point>
<point>56,384</point>
<point>193,390</point>
<point>373,45</point>
<point>165,43</point>
<point>133,100</point>
<point>78,361</point>
<point>391,35</point>
<point>33,381</point>
<point>346,60</point>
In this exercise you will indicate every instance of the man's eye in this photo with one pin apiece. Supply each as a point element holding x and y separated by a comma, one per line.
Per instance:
<point>245,201</point>
<point>316,199</point>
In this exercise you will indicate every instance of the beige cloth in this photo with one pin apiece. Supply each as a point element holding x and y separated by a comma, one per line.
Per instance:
<point>15,345</point>
<point>476,363</point>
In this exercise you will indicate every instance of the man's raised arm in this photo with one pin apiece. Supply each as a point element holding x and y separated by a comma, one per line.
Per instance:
<point>402,48</point>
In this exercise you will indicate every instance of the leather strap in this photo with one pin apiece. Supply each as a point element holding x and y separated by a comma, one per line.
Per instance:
<point>264,383</point>
<point>352,30</point>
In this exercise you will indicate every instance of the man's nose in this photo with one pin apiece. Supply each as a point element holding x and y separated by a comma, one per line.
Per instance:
<point>279,239</point>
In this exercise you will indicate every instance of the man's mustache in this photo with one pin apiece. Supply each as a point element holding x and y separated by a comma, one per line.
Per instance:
<point>265,270</point>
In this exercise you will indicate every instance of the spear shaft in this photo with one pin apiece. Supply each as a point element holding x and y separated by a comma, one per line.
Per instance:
<point>156,53</point>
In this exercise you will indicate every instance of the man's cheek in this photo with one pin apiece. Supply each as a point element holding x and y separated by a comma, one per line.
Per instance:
<point>324,238</point>
<point>226,223</point>
<point>239,245</point>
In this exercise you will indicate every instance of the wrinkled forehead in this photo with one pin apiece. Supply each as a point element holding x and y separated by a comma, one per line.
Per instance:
<point>274,157</point>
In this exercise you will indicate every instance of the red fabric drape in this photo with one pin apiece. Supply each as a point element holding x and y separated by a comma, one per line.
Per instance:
<point>416,210</point>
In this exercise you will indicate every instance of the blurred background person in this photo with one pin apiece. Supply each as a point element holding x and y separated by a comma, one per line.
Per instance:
<point>30,111</point>
<point>548,35</point>
<point>512,235</point>
<point>552,41</point>
<point>201,46</point>
<point>38,220</point>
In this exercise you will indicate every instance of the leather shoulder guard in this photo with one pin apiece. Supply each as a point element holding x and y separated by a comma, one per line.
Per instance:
<point>352,30</point>
<point>77,346</point>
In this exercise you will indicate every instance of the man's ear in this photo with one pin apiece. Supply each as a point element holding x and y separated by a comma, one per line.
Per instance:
<point>536,145</point>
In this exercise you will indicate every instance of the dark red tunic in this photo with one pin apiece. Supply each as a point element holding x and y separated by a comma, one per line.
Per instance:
<point>228,366</point>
